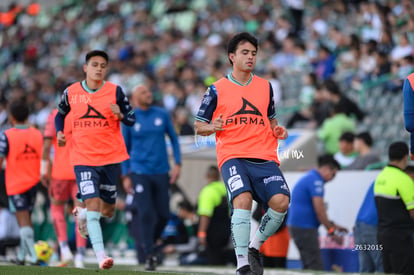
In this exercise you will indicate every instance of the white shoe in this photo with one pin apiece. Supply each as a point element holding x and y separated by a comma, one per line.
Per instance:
<point>79,261</point>
<point>82,227</point>
<point>106,263</point>
<point>66,259</point>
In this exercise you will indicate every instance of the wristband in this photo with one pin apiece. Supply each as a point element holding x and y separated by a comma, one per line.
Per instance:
<point>201,234</point>
<point>44,167</point>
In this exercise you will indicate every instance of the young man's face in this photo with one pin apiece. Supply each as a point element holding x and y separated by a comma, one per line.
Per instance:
<point>328,173</point>
<point>96,68</point>
<point>346,147</point>
<point>244,59</point>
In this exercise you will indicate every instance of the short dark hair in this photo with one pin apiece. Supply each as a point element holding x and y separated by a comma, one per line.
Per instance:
<point>186,205</point>
<point>240,37</point>
<point>347,136</point>
<point>213,173</point>
<point>365,137</point>
<point>93,53</point>
<point>328,160</point>
<point>339,108</point>
<point>397,151</point>
<point>331,86</point>
<point>19,110</point>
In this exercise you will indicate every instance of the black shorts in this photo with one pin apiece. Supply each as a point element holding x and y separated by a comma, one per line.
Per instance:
<point>24,201</point>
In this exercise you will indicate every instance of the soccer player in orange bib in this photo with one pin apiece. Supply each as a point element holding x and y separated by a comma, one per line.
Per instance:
<point>21,146</point>
<point>239,109</point>
<point>97,107</point>
<point>62,186</point>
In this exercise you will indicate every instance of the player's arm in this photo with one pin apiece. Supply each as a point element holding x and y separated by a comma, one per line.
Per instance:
<point>122,109</point>
<point>320,209</point>
<point>279,132</point>
<point>44,165</point>
<point>172,134</point>
<point>408,95</point>
<point>126,164</point>
<point>47,145</point>
<point>203,125</point>
<point>406,191</point>
<point>205,210</point>
<point>4,147</point>
<point>63,110</point>
<point>202,229</point>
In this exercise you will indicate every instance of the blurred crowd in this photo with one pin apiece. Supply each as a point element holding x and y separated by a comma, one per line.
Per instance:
<point>176,46</point>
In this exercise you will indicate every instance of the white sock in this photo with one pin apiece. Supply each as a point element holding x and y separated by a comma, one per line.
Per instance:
<point>82,214</point>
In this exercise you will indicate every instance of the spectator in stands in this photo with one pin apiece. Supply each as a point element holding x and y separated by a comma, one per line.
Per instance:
<point>385,43</point>
<point>182,125</point>
<point>332,128</point>
<point>296,11</point>
<point>346,154</point>
<point>383,65</point>
<point>366,61</point>
<point>365,233</point>
<point>400,70</point>
<point>324,65</point>
<point>403,48</point>
<point>319,110</point>
<point>306,99</point>
<point>308,211</point>
<point>334,94</point>
<point>366,155</point>
<point>394,199</point>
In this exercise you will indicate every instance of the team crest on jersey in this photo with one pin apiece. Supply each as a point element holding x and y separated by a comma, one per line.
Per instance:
<point>240,117</point>
<point>91,119</point>
<point>28,153</point>
<point>158,121</point>
<point>92,113</point>
<point>137,127</point>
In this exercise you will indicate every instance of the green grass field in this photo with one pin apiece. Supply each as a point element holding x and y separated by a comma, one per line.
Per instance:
<point>139,270</point>
<point>120,270</point>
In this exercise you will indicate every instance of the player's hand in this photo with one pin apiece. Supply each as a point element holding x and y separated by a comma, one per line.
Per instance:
<point>168,249</point>
<point>218,124</point>
<point>175,174</point>
<point>116,111</point>
<point>127,184</point>
<point>61,139</point>
<point>202,241</point>
<point>338,239</point>
<point>411,156</point>
<point>44,180</point>
<point>340,229</point>
<point>280,132</point>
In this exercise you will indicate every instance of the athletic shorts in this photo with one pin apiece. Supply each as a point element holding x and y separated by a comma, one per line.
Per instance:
<point>24,201</point>
<point>98,181</point>
<point>262,179</point>
<point>63,190</point>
